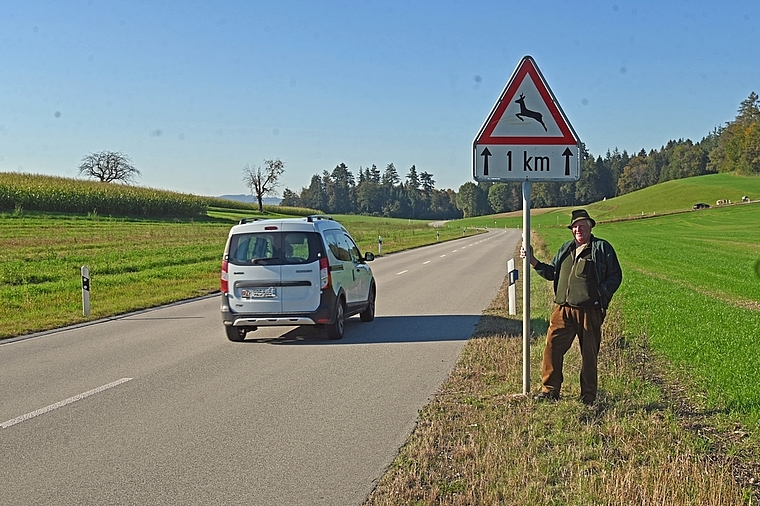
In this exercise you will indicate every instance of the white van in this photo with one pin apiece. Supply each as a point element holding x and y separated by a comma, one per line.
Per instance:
<point>294,271</point>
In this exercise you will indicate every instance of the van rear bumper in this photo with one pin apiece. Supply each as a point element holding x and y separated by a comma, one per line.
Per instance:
<point>243,321</point>
<point>325,313</point>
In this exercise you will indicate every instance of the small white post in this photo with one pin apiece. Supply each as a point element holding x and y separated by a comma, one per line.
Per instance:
<point>379,245</point>
<point>512,290</point>
<point>85,290</point>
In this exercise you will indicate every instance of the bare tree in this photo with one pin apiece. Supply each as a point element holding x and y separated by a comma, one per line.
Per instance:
<point>108,166</point>
<point>263,180</point>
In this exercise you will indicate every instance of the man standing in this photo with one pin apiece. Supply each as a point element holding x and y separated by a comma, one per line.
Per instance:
<point>586,274</point>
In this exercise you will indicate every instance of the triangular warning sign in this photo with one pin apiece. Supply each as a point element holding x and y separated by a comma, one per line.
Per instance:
<point>527,113</point>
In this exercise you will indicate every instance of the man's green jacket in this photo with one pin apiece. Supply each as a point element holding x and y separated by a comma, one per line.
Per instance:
<point>606,267</point>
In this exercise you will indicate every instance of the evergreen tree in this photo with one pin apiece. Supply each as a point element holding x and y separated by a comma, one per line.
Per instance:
<point>587,188</point>
<point>498,197</point>
<point>289,198</point>
<point>472,200</point>
<point>413,194</point>
<point>314,196</point>
<point>686,160</point>
<point>427,182</point>
<point>634,176</point>
<point>738,145</point>
<point>616,162</point>
<point>390,176</point>
<point>374,174</point>
<point>749,110</point>
<point>340,191</point>
<point>369,198</point>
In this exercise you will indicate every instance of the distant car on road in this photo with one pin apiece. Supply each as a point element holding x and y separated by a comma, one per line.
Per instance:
<point>292,272</point>
<point>701,205</point>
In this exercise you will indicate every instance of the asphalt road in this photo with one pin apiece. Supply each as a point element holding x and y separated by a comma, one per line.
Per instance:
<point>158,407</point>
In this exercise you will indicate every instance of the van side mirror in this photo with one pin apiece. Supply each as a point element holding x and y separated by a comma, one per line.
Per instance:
<point>369,256</point>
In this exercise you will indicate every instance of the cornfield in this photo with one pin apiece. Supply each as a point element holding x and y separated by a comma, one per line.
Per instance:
<point>34,192</point>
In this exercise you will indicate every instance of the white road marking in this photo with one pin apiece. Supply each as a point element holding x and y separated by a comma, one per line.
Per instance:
<point>443,255</point>
<point>425,263</point>
<point>406,270</point>
<point>60,404</point>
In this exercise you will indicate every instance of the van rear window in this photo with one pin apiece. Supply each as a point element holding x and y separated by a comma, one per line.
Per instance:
<point>274,248</point>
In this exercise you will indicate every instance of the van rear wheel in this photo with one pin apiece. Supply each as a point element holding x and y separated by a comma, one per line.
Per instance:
<point>236,334</point>
<point>336,329</point>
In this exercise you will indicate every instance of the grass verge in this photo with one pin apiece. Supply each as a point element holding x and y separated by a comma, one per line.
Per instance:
<point>643,443</point>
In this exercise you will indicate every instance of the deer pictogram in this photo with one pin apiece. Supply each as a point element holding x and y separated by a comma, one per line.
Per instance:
<point>524,111</point>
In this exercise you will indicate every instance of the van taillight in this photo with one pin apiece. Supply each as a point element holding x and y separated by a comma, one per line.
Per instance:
<point>225,277</point>
<point>324,273</point>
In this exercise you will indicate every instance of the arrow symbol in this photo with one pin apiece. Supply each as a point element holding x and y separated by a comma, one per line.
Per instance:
<point>567,154</point>
<point>485,154</point>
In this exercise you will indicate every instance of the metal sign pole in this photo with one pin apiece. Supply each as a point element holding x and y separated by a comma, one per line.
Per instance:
<point>526,287</point>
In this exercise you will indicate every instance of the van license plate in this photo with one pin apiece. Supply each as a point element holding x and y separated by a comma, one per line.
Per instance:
<point>259,293</point>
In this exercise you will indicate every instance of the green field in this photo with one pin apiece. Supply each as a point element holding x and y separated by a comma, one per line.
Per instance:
<point>136,263</point>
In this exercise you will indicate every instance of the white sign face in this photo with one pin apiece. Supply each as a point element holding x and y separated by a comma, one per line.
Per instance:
<point>526,136</point>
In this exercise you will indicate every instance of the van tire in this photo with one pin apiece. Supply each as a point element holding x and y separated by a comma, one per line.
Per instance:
<point>369,312</point>
<point>236,334</point>
<point>336,329</point>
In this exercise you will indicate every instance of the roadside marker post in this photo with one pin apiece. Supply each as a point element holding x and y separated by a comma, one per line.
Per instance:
<point>512,290</point>
<point>85,290</point>
<point>526,138</point>
<point>379,245</point>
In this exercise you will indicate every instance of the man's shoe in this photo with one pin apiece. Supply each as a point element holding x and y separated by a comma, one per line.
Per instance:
<point>546,396</point>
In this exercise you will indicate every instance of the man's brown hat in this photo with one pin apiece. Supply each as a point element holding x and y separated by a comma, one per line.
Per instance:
<point>580,214</point>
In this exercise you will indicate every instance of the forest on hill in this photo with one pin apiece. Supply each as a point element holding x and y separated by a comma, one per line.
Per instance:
<point>734,147</point>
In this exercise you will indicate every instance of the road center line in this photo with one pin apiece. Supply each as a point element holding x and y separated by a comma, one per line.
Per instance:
<point>402,272</point>
<point>443,256</point>
<point>425,263</point>
<point>60,404</point>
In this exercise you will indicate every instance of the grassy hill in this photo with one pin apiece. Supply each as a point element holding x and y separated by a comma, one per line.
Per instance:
<point>675,196</point>
<point>679,195</point>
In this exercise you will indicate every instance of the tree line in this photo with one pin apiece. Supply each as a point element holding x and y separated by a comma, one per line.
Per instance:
<point>734,147</point>
<point>376,193</point>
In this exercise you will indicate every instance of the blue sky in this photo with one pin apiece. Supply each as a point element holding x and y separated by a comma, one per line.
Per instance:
<point>194,91</point>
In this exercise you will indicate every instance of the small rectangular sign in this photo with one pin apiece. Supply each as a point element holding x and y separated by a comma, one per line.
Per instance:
<point>526,163</point>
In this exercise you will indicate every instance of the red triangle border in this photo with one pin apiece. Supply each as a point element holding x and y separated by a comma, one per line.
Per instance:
<point>527,68</point>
